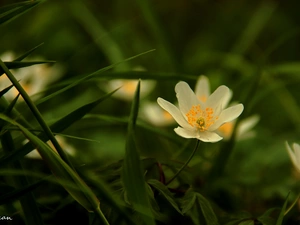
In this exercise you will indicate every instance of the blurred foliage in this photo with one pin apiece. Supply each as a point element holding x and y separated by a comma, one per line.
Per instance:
<point>250,46</point>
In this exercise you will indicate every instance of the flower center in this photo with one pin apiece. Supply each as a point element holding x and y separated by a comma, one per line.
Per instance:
<point>201,119</point>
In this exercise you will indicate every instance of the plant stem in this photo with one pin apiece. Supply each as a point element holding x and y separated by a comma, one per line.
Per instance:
<point>186,163</point>
<point>101,216</point>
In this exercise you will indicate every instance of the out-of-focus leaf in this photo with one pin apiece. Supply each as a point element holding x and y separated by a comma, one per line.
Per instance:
<point>20,58</point>
<point>12,11</point>
<point>265,220</point>
<point>282,212</point>
<point>86,77</point>
<point>132,174</point>
<point>165,192</point>
<point>192,198</point>
<point>79,191</point>
<point>56,127</point>
<point>248,222</point>
<point>16,194</point>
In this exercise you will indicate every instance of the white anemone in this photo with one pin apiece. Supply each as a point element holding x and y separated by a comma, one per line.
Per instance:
<point>201,119</point>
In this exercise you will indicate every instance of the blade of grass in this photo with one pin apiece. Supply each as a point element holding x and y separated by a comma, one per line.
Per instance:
<point>13,11</point>
<point>56,127</point>
<point>101,37</point>
<point>282,212</point>
<point>86,77</point>
<point>132,174</point>
<point>80,192</point>
<point>27,201</point>
<point>35,112</point>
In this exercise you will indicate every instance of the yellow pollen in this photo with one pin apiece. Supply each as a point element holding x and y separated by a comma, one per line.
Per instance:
<point>201,119</point>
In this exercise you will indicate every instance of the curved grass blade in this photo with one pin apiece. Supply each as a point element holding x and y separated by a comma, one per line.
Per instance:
<point>80,192</point>
<point>18,193</point>
<point>56,127</point>
<point>132,175</point>
<point>86,77</point>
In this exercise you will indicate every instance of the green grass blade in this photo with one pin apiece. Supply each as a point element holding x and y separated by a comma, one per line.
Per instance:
<point>35,112</point>
<point>18,193</point>
<point>132,174</point>
<point>28,203</point>
<point>7,13</point>
<point>86,77</point>
<point>20,58</point>
<point>165,192</point>
<point>282,212</point>
<point>56,127</point>
<point>80,191</point>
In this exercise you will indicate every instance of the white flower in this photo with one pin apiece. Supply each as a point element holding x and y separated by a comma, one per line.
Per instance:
<point>243,129</point>
<point>294,155</point>
<point>156,115</point>
<point>34,154</point>
<point>34,79</point>
<point>128,87</point>
<point>198,119</point>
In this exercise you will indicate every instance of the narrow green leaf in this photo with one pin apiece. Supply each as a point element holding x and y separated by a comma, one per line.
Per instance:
<point>5,90</point>
<point>86,77</point>
<point>192,197</point>
<point>18,193</point>
<point>18,64</point>
<point>282,212</point>
<point>13,11</point>
<point>80,192</point>
<point>165,192</point>
<point>132,174</point>
<point>20,58</point>
<point>56,127</point>
<point>11,105</point>
<point>248,222</point>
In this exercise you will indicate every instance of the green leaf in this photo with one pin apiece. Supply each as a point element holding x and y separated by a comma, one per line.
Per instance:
<point>20,58</point>
<point>191,198</point>
<point>56,127</point>
<point>282,212</point>
<point>265,220</point>
<point>78,81</point>
<point>18,193</point>
<point>78,190</point>
<point>165,192</point>
<point>132,174</point>
<point>248,222</point>
<point>12,11</point>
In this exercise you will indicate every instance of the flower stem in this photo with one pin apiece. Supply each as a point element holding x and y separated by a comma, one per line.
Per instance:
<point>101,216</point>
<point>186,163</point>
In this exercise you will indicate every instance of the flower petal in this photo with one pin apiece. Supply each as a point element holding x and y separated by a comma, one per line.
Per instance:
<point>227,115</point>
<point>202,89</point>
<point>246,125</point>
<point>186,97</point>
<point>292,156</point>
<point>207,136</point>
<point>174,111</point>
<point>186,133</point>
<point>296,148</point>
<point>218,98</point>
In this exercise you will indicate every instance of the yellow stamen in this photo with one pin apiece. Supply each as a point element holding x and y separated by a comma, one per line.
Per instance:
<point>201,119</point>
